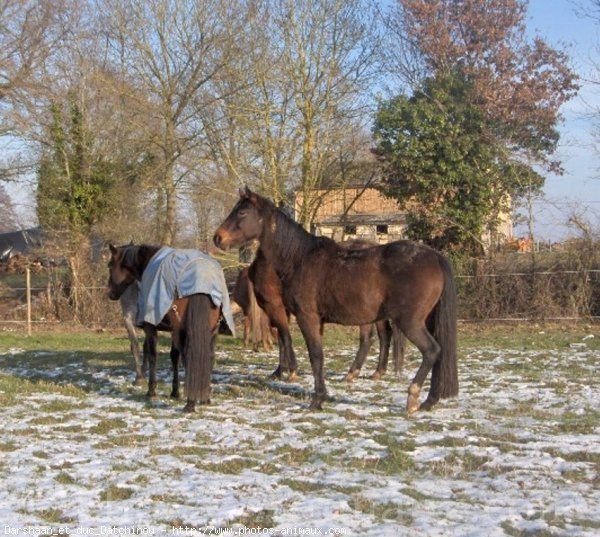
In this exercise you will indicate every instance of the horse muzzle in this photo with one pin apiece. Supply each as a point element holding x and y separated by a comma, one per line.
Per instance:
<point>220,240</point>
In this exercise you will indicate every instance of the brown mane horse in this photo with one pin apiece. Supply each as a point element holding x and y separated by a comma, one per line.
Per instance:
<point>406,282</point>
<point>194,321</point>
<point>269,295</point>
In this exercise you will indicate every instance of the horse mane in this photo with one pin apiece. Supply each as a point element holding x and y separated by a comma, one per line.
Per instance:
<point>135,258</point>
<point>292,240</point>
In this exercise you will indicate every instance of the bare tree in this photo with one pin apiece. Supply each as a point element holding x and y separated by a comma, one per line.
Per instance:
<point>28,31</point>
<point>172,50</point>
<point>328,55</point>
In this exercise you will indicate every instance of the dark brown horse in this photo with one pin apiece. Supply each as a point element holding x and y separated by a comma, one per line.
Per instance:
<point>408,283</point>
<point>194,321</point>
<point>269,295</point>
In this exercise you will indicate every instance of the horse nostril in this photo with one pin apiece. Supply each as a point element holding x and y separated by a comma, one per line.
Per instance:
<point>217,240</point>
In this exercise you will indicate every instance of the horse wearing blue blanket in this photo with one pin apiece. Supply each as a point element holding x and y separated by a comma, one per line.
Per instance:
<point>187,289</point>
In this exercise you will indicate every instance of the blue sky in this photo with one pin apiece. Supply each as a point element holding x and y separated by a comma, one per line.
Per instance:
<point>577,191</point>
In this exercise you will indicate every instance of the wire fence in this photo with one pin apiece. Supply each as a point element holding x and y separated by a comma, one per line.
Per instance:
<point>487,297</point>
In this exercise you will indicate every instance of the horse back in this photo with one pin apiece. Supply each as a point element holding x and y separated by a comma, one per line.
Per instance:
<point>363,285</point>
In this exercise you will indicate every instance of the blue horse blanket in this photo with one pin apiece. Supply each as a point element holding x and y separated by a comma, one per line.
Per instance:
<point>173,273</point>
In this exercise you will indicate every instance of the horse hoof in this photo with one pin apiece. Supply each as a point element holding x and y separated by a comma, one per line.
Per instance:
<point>316,404</point>
<point>151,395</point>
<point>377,375</point>
<point>352,375</point>
<point>412,405</point>
<point>276,375</point>
<point>138,381</point>
<point>293,377</point>
<point>175,396</point>
<point>189,408</point>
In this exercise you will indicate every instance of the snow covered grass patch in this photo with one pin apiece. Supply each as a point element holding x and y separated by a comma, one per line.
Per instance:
<point>517,453</point>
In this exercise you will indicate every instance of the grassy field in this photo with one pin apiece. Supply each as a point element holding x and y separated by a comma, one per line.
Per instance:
<point>517,453</point>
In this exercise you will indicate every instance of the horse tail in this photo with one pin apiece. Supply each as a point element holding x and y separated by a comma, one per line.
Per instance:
<point>198,348</point>
<point>444,375</point>
<point>255,316</point>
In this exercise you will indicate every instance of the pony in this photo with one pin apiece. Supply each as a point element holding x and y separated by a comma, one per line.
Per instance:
<point>268,291</point>
<point>194,321</point>
<point>129,309</point>
<point>406,282</point>
<point>256,323</point>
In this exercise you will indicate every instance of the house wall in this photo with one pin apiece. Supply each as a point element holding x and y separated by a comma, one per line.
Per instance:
<point>361,206</point>
<point>364,232</point>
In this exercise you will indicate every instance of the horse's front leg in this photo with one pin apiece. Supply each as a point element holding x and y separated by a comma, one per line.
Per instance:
<point>311,328</point>
<point>134,347</point>
<point>150,343</point>
<point>287,358</point>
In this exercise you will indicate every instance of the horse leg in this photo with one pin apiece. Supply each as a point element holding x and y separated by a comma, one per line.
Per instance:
<point>311,328</point>
<point>134,346</point>
<point>364,344</point>
<point>246,331</point>
<point>150,342</point>
<point>174,354</point>
<point>287,358</point>
<point>398,341</point>
<point>384,331</point>
<point>430,349</point>
<point>265,332</point>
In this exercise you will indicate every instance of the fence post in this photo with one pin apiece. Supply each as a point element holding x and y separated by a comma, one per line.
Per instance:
<point>28,286</point>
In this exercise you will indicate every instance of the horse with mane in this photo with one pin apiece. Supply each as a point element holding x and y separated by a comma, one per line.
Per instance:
<point>268,291</point>
<point>408,283</point>
<point>172,292</point>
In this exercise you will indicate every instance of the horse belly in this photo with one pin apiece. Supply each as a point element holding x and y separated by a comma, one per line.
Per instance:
<point>352,305</point>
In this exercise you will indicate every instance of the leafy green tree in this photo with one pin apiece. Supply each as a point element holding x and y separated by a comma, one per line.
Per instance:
<point>448,174</point>
<point>481,119</point>
<point>73,185</point>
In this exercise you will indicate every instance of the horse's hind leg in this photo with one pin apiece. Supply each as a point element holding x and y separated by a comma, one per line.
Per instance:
<point>430,349</point>
<point>384,331</point>
<point>150,352</point>
<point>364,344</point>
<point>174,354</point>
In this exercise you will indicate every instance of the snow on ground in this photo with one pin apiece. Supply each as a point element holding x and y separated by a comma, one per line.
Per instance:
<point>517,453</point>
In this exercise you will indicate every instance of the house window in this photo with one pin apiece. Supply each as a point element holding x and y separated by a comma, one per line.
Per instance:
<point>382,229</point>
<point>349,230</point>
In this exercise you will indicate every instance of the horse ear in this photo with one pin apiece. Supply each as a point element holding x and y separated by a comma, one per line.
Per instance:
<point>112,248</point>
<point>245,192</point>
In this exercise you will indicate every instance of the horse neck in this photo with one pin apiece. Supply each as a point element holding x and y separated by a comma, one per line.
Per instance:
<point>284,243</point>
<point>144,254</point>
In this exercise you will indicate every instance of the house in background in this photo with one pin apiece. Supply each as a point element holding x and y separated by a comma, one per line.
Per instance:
<point>19,243</point>
<point>365,213</point>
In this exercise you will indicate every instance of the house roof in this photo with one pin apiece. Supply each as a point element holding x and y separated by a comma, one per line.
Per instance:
<point>19,242</point>
<point>364,219</point>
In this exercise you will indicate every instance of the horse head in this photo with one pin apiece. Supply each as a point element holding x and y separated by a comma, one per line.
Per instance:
<point>244,223</point>
<point>121,270</point>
